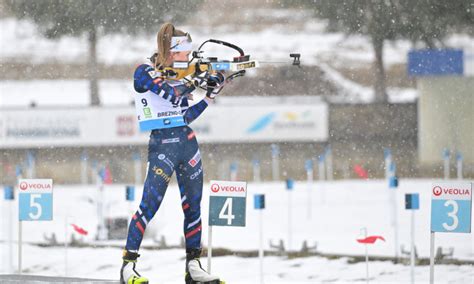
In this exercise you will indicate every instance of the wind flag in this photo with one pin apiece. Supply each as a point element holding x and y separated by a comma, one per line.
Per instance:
<point>79,230</point>
<point>361,172</point>
<point>370,239</point>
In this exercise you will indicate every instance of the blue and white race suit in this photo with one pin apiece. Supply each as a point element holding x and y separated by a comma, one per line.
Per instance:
<point>163,108</point>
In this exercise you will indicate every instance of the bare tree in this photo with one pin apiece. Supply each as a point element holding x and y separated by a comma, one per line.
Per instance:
<point>56,18</point>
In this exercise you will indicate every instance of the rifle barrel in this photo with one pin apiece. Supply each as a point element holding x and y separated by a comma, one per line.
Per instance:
<point>279,62</point>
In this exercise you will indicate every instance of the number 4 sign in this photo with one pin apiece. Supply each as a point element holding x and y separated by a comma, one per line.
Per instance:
<point>227,203</point>
<point>226,208</point>
<point>451,205</point>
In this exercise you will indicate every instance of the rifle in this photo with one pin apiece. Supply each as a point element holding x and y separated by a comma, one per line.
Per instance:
<point>202,67</point>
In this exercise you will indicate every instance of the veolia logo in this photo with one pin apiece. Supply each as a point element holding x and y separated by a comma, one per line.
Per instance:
<point>23,185</point>
<point>215,187</point>
<point>233,188</point>
<point>437,190</point>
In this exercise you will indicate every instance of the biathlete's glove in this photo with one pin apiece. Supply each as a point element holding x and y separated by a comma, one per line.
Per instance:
<point>182,91</point>
<point>214,83</point>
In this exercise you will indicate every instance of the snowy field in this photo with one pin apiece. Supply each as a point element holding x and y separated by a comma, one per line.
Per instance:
<point>167,267</point>
<point>338,212</point>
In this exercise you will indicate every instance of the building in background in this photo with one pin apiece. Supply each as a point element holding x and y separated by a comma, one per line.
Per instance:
<point>445,80</point>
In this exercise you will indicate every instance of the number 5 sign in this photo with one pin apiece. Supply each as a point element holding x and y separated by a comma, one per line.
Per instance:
<point>451,205</point>
<point>227,203</point>
<point>35,199</point>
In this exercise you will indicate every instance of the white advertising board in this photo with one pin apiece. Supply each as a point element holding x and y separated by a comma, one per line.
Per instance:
<point>25,128</point>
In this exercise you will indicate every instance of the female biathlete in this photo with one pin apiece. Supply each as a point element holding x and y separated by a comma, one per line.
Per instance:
<point>162,107</point>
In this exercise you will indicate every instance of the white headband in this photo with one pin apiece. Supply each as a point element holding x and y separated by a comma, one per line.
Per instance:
<point>181,43</point>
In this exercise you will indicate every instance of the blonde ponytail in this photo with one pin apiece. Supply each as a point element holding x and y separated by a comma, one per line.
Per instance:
<point>163,40</point>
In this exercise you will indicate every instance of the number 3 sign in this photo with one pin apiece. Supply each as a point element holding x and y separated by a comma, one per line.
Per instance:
<point>451,205</point>
<point>227,203</point>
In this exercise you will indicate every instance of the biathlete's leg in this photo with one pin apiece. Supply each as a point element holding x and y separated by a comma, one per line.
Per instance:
<point>161,157</point>
<point>158,177</point>
<point>190,180</point>
<point>156,183</point>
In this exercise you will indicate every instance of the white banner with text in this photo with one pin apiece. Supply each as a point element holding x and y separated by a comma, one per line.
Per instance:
<point>31,128</point>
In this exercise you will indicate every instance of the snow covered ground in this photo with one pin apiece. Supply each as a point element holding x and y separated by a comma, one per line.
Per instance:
<point>167,267</point>
<point>339,210</point>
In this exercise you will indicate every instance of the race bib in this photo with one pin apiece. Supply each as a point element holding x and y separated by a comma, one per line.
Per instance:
<point>154,112</point>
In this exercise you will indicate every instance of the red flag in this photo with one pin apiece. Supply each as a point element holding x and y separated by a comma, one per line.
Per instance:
<point>79,230</point>
<point>361,172</point>
<point>370,239</point>
<point>107,175</point>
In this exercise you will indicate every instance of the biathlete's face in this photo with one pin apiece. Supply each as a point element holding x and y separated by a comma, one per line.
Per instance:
<point>179,56</point>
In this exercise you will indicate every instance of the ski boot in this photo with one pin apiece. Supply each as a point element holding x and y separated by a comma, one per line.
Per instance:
<point>128,274</point>
<point>195,274</point>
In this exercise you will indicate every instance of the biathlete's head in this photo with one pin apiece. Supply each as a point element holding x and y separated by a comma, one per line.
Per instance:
<point>174,47</point>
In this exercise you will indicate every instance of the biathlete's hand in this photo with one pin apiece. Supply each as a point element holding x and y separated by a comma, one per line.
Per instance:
<point>216,80</point>
<point>184,90</point>
<point>214,83</point>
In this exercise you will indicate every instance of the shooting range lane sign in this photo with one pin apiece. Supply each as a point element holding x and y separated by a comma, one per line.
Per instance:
<point>227,203</point>
<point>35,199</point>
<point>451,205</point>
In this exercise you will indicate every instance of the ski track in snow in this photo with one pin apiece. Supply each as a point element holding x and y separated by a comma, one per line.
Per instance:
<point>340,209</point>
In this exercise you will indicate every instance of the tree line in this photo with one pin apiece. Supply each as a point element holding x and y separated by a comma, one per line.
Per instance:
<point>424,22</point>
